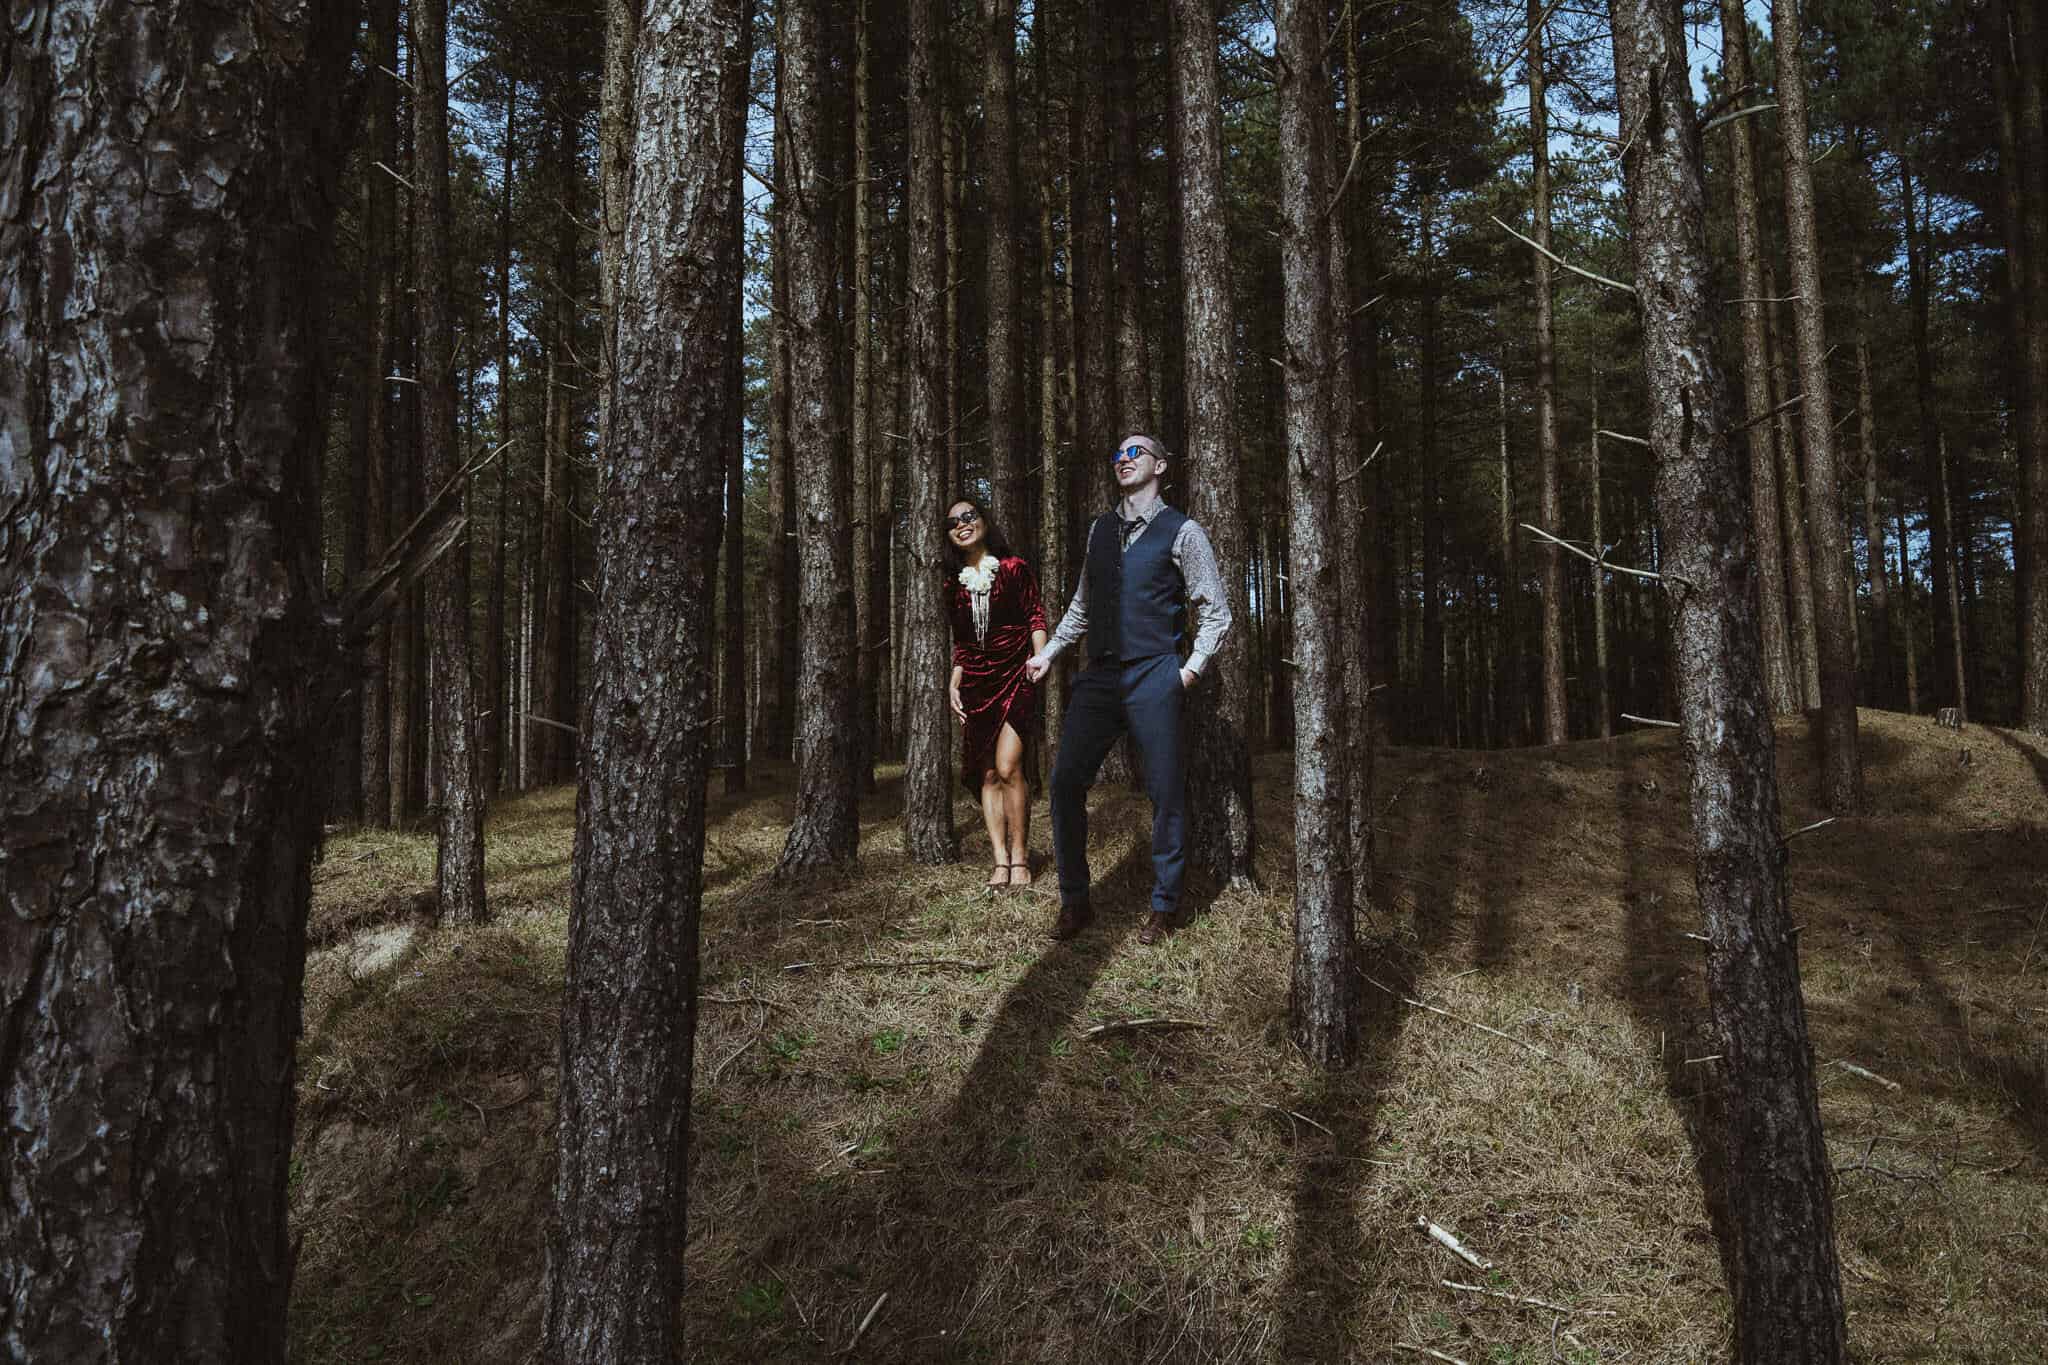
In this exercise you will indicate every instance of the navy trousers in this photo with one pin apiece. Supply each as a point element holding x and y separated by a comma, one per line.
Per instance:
<point>1144,697</point>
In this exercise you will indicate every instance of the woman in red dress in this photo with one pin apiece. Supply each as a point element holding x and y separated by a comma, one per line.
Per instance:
<point>998,623</point>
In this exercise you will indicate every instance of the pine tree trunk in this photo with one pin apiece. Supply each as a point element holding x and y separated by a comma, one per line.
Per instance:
<point>615,1264</point>
<point>1357,408</point>
<point>1781,676</point>
<point>951,182</point>
<point>1506,700</point>
<point>1053,573</point>
<point>1906,646</point>
<point>1787,1286</point>
<point>1796,543</point>
<point>870,535</point>
<point>825,830</point>
<point>380,300</point>
<point>1323,1000</point>
<point>733,718</point>
<point>1430,679</point>
<point>2031,540</point>
<point>1220,827</point>
<point>167,711</point>
<point>1005,350</point>
<point>459,861</point>
<point>1134,360</point>
<point>1595,495</point>
<point>1834,592</point>
<point>1550,559</point>
<point>928,832</point>
<point>1958,662</point>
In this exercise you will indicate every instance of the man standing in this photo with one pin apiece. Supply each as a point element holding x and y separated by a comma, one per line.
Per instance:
<point>1148,567</point>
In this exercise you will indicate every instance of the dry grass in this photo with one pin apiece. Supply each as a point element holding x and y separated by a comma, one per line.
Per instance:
<point>946,1136</point>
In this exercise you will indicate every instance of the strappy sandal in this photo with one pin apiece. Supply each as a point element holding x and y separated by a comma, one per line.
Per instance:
<point>1004,868</point>
<point>1027,875</point>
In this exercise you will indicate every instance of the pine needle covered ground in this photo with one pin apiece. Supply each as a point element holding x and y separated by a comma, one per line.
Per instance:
<point>946,1134</point>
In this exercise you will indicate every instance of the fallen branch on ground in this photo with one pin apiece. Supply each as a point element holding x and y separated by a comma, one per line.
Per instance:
<point>1647,720</point>
<point>1292,1114</point>
<point>1526,1300</point>
<point>1144,1026</point>
<point>865,1323</point>
<point>1453,1245</point>
<point>1469,1023</point>
<point>1855,1070</point>
<point>866,964</point>
<point>1425,1351</point>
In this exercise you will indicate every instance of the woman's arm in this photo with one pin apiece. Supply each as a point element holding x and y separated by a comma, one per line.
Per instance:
<point>953,694</point>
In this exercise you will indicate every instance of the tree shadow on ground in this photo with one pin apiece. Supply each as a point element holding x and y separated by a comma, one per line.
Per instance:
<point>1323,1285</point>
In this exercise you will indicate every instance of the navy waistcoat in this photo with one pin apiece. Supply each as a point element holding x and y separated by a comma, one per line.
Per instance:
<point>1136,597</point>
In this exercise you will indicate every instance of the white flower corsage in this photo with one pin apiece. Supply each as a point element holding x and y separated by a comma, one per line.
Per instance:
<point>979,578</point>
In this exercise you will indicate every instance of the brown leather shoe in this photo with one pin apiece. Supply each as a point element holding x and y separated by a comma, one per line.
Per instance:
<point>1157,927</point>
<point>1073,919</point>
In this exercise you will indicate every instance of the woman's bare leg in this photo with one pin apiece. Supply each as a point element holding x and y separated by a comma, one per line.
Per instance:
<point>1016,796</point>
<point>992,816</point>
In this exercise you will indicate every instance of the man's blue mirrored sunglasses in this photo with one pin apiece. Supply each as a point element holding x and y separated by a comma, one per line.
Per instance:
<point>1130,453</point>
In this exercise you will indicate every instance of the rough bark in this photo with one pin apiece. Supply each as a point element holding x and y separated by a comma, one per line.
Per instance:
<point>1787,1285</point>
<point>1220,826</point>
<point>1906,646</point>
<point>1549,559</point>
<point>1797,546</point>
<point>165,681</point>
<point>869,518</point>
<point>1006,461</point>
<point>1505,695</point>
<point>1430,681</point>
<point>951,182</point>
<point>402,657</point>
<point>1126,188</point>
<point>2031,542</point>
<point>615,1264</point>
<point>775,716</point>
<point>928,832</point>
<point>1052,447</point>
<point>825,829</point>
<point>734,656</point>
<point>1834,593</point>
<point>1323,999</point>
<point>1595,495</point>
<point>1957,661</point>
<point>1781,679</point>
<point>1352,625</point>
<point>459,848</point>
<point>380,300</point>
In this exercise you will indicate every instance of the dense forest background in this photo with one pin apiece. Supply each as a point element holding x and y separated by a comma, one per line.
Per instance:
<point>1914,217</point>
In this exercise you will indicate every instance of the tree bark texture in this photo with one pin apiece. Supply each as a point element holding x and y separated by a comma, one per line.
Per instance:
<point>1596,496</point>
<point>1006,461</point>
<point>733,717</point>
<point>2031,542</point>
<point>1126,189</point>
<point>826,827</point>
<point>494,719</point>
<point>1550,559</point>
<point>1352,625</point>
<point>1431,681</point>
<point>1781,681</point>
<point>1792,513</point>
<point>1882,666</point>
<point>380,302</point>
<point>1052,431</point>
<point>163,674</point>
<point>1787,1290</point>
<point>615,1264</point>
<point>459,861</point>
<point>1834,597</point>
<point>1220,825</point>
<point>1945,685</point>
<point>871,521</point>
<point>1323,1001</point>
<point>928,832</point>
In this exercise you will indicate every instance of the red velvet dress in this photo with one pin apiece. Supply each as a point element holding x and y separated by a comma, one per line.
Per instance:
<point>993,688</point>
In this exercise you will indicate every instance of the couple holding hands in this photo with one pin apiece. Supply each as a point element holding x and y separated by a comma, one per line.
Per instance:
<point>1150,583</point>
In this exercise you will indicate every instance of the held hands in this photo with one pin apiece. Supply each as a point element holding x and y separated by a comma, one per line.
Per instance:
<point>1037,666</point>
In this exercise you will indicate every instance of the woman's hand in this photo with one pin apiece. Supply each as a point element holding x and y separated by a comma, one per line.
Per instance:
<point>953,695</point>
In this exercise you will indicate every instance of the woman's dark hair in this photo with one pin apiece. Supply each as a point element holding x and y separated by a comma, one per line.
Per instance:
<point>993,540</point>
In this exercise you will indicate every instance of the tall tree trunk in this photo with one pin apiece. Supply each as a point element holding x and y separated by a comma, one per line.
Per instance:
<point>1906,646</point>
<point>1958,660</point>
<point>1323,1000</point>
<point>1550,561</point>
<point>1882,667</point>
<point>779,600</point>
<point>825,830</point>
<point>928,832</point>
<point>2031,542</point>
<point>1005,351</point>
<point>870,519</point>
<point>494,722</point>
<point>1781,677</point>
<point>459,850</point>
<point>380,300</point>
<point>1220,826</point>
<point>1134,361</point>
<point>1944,684</point>
<point>1052,448</point>
<point>160,402</point>
<point>403,659</point>
<point>1508,702</point>
<point>952,183</point>
<point>1834,591</point>
<point>1595,495</point>
<point>1430,680</point>
<point>1787,1285</point>
<point>629,1010</point>
<point>733,720</point>
<point>1797,545</point>
<point>1350,434</point>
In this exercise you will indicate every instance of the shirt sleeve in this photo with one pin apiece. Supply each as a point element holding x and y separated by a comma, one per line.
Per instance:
<point>1074,624</point>
<point>1208,599</point>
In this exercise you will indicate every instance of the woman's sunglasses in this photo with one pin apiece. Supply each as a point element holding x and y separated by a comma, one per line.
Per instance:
<point>967,518</point>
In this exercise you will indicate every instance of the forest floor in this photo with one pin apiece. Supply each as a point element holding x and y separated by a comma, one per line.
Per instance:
<point>949,1137</point>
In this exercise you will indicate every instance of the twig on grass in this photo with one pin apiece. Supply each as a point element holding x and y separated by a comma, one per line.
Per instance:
<point>1425,1351</point>
<point>867,964</point>
<point>1143,1026</point>
<point>741,1000</point>
<point>865,1323</point>
<point>1868,1075</point>
<point>1469,1023</point>
<point>1808,829</point>
<point>1453,1245</point>
<point>790,1289</point>
<point>1294,1114</point>
<point>1526,1300</point>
